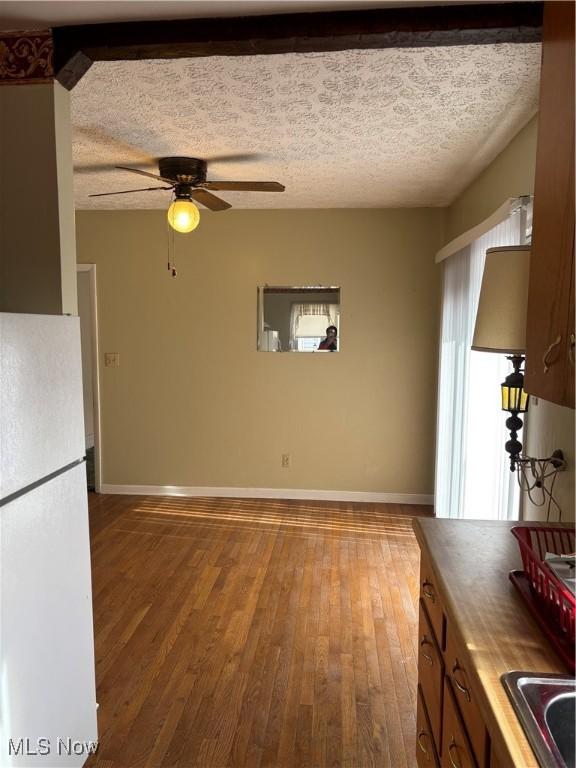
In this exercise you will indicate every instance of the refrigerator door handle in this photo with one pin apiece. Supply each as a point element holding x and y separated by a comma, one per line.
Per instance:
<point>38,483</point>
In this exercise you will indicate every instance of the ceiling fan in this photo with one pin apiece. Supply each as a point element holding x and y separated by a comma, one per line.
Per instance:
<point>186,176</point>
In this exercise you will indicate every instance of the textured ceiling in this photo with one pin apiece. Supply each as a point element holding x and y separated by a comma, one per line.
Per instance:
<point>385,128</point>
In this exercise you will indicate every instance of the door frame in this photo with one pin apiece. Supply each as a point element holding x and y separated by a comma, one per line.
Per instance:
<point>91,269</point>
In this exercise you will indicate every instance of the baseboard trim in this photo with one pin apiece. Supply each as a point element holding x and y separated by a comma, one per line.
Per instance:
<point>269,493</point>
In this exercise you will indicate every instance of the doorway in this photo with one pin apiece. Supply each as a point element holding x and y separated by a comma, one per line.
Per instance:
<point>88,312</point>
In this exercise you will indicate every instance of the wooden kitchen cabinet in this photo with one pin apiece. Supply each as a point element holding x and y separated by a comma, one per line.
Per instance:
<point>430,597</point>
<point>430,674</point>
<point>456,747</point>
<point>480,631</point>
<point>426,755</point>
<point>496,762</point>
<point>451,729</point>
<point>550,322</point>
<point>458,674</point>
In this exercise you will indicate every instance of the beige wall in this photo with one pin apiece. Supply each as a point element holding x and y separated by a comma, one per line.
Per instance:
<point>193,403</point>
<point>548,426</point>
<point>511,174</point>
<point>37,247</point>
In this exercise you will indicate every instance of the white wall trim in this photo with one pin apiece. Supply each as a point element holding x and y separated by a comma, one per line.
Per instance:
<point>91,269</point>
<point>268,493</point>
<point>468,237</point>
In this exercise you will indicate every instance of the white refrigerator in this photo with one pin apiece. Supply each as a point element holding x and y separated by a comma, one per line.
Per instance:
<point>47,684</point>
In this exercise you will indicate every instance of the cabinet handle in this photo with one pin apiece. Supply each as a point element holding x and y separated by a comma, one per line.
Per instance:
<point>461,688</point>
<point>426,656</point>
<point>571,348</point>
<point>545,357</point>
<point>421,736</point>
<point>453,746</point>
<point>428,591</point>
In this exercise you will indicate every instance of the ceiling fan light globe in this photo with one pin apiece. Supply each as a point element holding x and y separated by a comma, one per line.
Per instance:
<point>183,216</point>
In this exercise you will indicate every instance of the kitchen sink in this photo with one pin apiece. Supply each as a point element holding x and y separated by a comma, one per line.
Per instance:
<point>545,705</point>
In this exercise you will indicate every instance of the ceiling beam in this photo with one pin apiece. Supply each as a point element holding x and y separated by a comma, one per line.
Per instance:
<point>77,47</point>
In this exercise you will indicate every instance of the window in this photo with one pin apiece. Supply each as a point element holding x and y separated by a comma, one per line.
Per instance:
<point>473,479</point>
<point>308,343</point>
<point>308,323</point>
<point>294,318</point>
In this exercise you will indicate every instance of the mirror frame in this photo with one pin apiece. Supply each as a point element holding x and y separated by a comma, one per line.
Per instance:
<point>262,289</point>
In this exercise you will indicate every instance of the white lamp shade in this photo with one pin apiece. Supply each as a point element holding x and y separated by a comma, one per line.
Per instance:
<point>501,317</point>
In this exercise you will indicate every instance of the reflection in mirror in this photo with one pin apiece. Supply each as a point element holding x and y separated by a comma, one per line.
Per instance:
<point>298,318</point>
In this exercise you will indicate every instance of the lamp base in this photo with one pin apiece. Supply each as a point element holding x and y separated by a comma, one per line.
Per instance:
<point>514,446</point>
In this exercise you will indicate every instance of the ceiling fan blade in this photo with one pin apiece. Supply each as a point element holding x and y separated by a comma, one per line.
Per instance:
<point>145,173</point>
<point>237,158</point>
<point>128,191</point>
<point>209,200</point>
<point>103,167</point>
<point>90,140</point>
<point>93,168</point>
<point>96,134</point>
<point>245,186</point>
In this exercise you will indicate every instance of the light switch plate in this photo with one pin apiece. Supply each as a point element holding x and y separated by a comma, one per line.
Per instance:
<point>112,359</point>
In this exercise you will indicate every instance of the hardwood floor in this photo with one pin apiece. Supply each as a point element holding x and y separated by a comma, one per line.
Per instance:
<point>237,632</point>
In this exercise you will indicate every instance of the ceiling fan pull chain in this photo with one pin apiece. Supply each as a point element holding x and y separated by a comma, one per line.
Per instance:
<point>173,271</point>
<point>170,244</point>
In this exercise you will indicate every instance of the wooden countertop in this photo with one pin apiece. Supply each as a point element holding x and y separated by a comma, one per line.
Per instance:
<point>471,560</point>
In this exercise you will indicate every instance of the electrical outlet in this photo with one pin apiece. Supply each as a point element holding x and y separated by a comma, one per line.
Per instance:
<point>285,461</point>
<point>112,359</point>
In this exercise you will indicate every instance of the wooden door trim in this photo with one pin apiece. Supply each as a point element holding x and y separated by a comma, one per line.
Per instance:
<point>91,269</point>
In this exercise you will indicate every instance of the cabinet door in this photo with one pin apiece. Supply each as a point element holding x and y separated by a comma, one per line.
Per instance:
<point>456,749</point>
<point>425,749</point>
<point>456,671</point>
<point>550,322</point>
<point>495,761</point>
<point>571,335</point>
<point>430,673</point>
<point>430,596</point>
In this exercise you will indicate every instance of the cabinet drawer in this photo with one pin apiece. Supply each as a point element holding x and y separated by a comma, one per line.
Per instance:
<point>426,755</point>
<point>456,663</point>
<point>495,761</point>
<point>431,597</point>
<point>430,673</point>
<point>456,747</point>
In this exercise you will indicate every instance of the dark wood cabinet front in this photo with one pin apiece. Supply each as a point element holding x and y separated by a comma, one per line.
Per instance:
<point>456,748</point>
<point>550,326</point>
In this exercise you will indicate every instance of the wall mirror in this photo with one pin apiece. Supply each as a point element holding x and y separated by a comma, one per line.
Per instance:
<point>298,318</point>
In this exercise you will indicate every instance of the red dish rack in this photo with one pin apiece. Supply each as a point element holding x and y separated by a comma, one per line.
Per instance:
<point>550,600</point>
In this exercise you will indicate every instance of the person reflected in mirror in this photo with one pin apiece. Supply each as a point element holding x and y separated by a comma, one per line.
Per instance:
<point>330,343</point>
